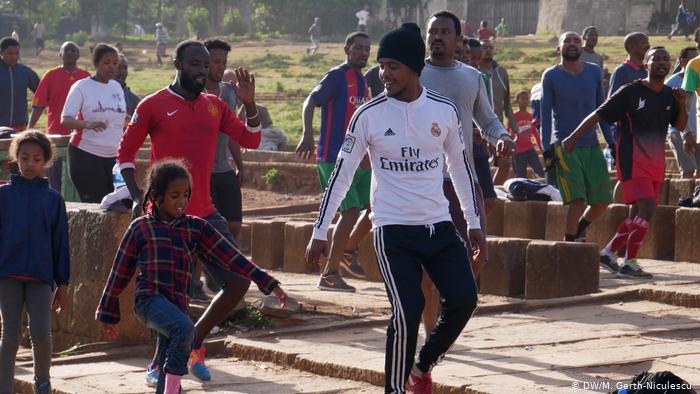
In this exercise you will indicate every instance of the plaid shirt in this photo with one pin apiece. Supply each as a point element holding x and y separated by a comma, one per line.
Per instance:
<point>165,254</point>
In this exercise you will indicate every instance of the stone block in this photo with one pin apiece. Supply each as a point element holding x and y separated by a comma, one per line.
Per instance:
<point>95,236</point>
<point>602,229</point>
<point>504,274</point>
<point>368,258</point>
<point>494,219</point>
<point>663,195</point>
<point>244,238</point>
<point>688,233</point>
<point>672,165</point>
<point>560,269</point>
<point>525,219</point>
<point>267,242</point>
<point>296,236</point>
<point>659,243</point>
<point>142,167</point>
<point>556,221</point>
<point>679,188</point>
<point>299,178</point>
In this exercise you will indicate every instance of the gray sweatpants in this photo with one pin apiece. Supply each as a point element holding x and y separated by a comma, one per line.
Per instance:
<point>36,298</point>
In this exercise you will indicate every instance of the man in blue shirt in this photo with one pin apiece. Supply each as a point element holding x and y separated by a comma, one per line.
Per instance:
<point>571,90</point>
<point>15,79</point>
<point>679,140</point>
<point>636,45</point>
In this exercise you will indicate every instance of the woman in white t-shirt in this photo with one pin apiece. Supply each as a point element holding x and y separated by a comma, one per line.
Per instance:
<point>96,111</point>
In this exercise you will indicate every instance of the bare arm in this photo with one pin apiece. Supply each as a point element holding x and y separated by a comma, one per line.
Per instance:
<point>72,123</point>
<point>570,141</point>
<point>129,176</point>
<point>680,123</point>
<point>305,149</point>
<point>235,150</point>
<point>36,114</point>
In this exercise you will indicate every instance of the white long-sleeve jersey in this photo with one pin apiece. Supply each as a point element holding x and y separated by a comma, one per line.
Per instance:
<point>406,144</point>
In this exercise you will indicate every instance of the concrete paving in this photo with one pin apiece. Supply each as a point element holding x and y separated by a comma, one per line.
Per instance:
<point>230,375</point>
<point>579,344</point>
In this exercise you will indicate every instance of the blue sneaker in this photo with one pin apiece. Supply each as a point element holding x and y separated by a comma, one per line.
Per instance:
<point>196,365</point>
<point>152,375</point>
<point>42,388</point>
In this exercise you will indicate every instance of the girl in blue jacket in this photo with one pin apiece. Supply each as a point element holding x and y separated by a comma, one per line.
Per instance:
<point>34,258</point>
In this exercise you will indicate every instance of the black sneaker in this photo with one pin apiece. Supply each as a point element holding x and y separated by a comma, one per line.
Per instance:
<point>632,270</point>
<point>350,264</point>
<point>333,282</point>
<point>609,263</point>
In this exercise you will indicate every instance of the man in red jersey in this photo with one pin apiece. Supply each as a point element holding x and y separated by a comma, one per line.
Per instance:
<point>183,123</point>
<point>52,92</point>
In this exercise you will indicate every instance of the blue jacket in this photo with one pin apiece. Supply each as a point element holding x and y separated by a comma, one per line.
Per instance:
<point>33,231</point>
<point>14,83</point>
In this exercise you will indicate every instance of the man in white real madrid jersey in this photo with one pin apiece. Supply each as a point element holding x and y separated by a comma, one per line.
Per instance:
<point>408,131</point>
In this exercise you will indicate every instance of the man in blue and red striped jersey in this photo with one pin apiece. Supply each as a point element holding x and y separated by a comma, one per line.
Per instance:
<point>341,91</point>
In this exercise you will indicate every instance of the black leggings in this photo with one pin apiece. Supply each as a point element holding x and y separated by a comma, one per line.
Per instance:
<point>91,174</point>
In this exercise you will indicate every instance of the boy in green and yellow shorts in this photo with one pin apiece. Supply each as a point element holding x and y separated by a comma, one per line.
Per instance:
<point>583,175</point>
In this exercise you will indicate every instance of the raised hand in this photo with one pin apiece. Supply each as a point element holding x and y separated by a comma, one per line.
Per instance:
<point>244,85</point>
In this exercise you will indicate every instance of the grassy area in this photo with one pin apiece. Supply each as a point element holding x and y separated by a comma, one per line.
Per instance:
<point>285,74</point>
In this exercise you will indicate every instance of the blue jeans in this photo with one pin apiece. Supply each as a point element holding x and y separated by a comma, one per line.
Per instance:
<point>168,320</point>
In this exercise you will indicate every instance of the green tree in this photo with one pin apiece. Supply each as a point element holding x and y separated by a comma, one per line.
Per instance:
<point>233,22</point>
<point>197,21</point>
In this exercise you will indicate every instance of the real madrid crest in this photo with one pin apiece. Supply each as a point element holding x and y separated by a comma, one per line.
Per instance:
<point>435,130</point>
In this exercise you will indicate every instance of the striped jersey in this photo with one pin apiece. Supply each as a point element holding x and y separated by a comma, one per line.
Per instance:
<point>407,144</point>
<point>341,91</point>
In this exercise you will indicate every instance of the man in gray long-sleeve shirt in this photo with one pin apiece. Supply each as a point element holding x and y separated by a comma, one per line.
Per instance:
<point>464,86</point>
<point>500,94</point>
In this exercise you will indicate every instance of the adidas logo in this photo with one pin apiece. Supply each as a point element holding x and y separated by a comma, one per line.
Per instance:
<point>389,132</point>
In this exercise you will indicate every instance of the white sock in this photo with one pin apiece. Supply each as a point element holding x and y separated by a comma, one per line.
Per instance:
<point>607,252</point>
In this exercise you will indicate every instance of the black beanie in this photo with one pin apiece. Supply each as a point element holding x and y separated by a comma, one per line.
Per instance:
<point>404,45</point>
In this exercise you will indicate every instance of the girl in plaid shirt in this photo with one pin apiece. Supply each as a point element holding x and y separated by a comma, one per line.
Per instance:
<point>164,246</point>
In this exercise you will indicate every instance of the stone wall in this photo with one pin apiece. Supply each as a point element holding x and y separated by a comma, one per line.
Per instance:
<point>94,239</point>
<point>612,17</point>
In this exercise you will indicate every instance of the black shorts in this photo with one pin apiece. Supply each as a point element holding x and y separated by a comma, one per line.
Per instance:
<point>483,174</point>
<point>226,194</point>
<point>39,43</point>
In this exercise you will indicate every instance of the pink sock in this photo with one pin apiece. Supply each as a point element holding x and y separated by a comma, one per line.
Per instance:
<point>172,383</point>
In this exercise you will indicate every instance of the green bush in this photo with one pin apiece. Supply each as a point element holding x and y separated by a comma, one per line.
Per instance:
<point>197,20</point>
<point>264,19</point>
<point>509,54</point>
<point>79,37</point>
<point>271,60</point>
<point>233,23</point>
<point>272,179</point>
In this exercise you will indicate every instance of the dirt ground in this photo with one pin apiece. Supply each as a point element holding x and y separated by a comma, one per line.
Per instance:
<point>253,198</point>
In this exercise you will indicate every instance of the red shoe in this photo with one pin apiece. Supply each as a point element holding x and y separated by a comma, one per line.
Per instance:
<point>420,385</point>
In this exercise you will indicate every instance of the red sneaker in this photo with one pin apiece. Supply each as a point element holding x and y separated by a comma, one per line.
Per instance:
<point>420,385</point>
